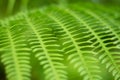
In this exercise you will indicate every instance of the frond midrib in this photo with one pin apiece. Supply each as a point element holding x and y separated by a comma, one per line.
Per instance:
<point>75,44</point>
<point>42,45</point>
<point>100,41</point>
<point>104,23</point>
<point>13,53</point>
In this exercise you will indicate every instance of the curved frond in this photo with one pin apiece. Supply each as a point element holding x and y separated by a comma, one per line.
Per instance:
<point>15,56</point>
<point>84,35</point>
<point>46,48</point>
<point>105,39</point>
<point>74,44</point>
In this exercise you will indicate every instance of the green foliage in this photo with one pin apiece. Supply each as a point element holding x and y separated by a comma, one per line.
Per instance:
<point>69,41</point>
<point>82,36</point>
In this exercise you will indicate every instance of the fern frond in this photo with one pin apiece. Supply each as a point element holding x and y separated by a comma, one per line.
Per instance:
<point>105,39</point>
<point>105,23</point>
<point>80,34</point>
<point>111,16</point>
<point>114,25</point>
<point>15,56</point>
<point>46,49</point>
<point>78,50</point>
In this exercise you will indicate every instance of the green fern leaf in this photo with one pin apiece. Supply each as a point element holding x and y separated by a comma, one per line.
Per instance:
<point>105,38</point>
<point>80,34</point>
<point>67,29</point>
<point>15,53</point>
<point>47,50</point>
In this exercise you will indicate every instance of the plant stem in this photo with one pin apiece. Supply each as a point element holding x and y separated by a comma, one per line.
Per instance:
<point>24,4</point>
<point>10,6</point>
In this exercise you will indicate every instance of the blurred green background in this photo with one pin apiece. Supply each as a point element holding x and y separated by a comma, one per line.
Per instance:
<point>8,7</point>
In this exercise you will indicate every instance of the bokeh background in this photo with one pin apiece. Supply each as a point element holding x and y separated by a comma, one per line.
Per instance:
<point>8,7</point>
